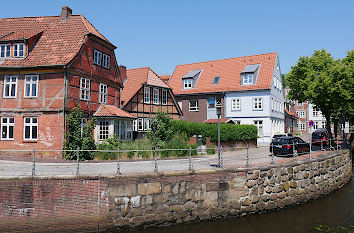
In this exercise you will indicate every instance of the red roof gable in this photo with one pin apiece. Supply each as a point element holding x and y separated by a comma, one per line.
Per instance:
<point>165,78</point>
<point>110,110</point>
<point>229,71</point>
<point>136,78</point>
<point>57,46</point>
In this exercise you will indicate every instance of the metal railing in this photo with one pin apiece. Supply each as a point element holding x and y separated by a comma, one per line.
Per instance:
<point>230,157</point>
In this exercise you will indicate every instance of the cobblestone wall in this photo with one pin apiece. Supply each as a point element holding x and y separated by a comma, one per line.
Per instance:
<point>98,204</point>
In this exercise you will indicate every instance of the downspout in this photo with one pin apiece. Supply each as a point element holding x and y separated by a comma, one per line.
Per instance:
<point>64,104</point>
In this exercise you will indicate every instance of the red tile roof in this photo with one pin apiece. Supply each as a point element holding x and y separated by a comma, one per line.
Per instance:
<point>229,71</point>
<point>59,43</point>
<point>215,121</point>
<point>165,78</point>
<point>136,78</point>
<point>110,110</point>
<point>291,112</point>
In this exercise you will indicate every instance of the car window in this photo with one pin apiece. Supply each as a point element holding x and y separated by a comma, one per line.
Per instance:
<point>299,140</point>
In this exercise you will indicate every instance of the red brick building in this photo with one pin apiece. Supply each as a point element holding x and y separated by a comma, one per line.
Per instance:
<point>49,65</point>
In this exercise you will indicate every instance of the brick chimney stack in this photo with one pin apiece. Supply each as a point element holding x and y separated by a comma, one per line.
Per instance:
<point>123,72</point>
<point>65,13</point>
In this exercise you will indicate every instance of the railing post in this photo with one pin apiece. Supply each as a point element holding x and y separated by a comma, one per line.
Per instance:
<point>272,147</point>
<point>190,159</point>
<point>118,165</point>
<point>33,162</point>
<point>221,159</point>
<point>77,161</point>
<point>295,152</point>
<point>247,162</point>
<point>321,143</point>
<point>155,167</point>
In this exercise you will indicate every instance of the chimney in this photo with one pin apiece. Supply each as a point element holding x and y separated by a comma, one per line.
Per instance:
<point>123,72</point>
<point>65,13</point>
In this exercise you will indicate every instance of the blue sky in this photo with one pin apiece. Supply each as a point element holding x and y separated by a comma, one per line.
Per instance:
<point>164,33</point>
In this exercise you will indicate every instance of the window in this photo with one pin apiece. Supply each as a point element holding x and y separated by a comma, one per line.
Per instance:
<point>259,125</point>
<point>147,95</point>
<point>216,80</point>
<point>31,128</point>
<point>193,106</point>
<point>7,128</point>
<point>323,124</point>
<point>5,50</point>
<point>187,83</point>
<point>106,62</point>
<point>103,93</point>
<point>156,96</point>
<point>19,50</point>
<point>315,113</point>
<point>211,103</point>
<point>302,114</point>
<point>103,130</point>
<point>237,122</point>
<point>247,79</point>
<point>164,97</point>
<point>257,104</point>
<point>302,126</point>
<point>97,57</point>
<point>141,124</point>
<point>84,89</point>
<point>315,126</point>
<point>146,124</point>
<point>10,86</point>
<point>300,104</point>
<point>135,126</point>
<point>31,86</point>
<point>236,104</point>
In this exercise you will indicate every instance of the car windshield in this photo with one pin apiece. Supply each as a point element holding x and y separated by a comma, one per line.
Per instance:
<point>317,135</point>
<point>281,141</point>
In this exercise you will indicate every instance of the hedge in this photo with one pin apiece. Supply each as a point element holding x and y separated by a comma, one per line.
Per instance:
<point>228,132</point>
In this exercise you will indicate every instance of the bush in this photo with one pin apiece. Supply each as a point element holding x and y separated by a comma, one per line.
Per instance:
<point>228,132</point>
<point>211,150</point>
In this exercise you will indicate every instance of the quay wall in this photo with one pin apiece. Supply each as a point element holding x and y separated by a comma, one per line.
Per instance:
<point>94,204</point>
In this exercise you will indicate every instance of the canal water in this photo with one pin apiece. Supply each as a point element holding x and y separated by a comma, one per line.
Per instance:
<point>333,210</point>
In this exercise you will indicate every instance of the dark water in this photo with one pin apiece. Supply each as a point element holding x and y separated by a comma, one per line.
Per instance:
<point>335,209</point>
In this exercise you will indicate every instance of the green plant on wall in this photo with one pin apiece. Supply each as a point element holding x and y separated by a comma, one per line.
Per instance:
<point>79,136</point>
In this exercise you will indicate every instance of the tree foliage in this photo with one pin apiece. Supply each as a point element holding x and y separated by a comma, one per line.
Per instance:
<point>160,129</point>
<point>79,136</point>
<point>324,82</point>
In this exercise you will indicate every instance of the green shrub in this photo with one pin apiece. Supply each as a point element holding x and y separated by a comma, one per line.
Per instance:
<point>211,150</point>
<point>228,132</point>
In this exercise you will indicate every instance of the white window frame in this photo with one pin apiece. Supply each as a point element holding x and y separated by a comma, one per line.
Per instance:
<point>302,126</point>
<point>146,124</point>
<point>11,84</point>
<point>247,79</point>
<point>164,97</point>
<point>146,95</point>
<point>257,103</point>
<point>211,106</point>
<point>106,60</point>
<point>315,113</point>
<point>103,91</point>
<point>85,88</point>
<point>103,130</point>
<point>17,50</point>
<point>302,114</point>
<point>5,49</point>
<point>155,97</point>
<point>187,83</point>
<point>194,108</point>
<point>97,57</point>
<point>236,104</point>
<point>135,125</point>
<point>140,125</point>
<point>7,125</point>
<point>30,124</point>
<point>259,125</point>
<point>31,83</point>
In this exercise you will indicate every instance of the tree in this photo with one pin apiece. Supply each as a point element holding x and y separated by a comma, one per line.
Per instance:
<point>324,82</point>
<point>160,129</point>
<point>283,80</point>
<point>79,136</point>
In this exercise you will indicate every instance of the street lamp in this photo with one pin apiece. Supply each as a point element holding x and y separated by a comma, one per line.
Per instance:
<point>218,112</point>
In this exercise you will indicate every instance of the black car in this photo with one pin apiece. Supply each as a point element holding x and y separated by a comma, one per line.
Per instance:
<point>285,146</point>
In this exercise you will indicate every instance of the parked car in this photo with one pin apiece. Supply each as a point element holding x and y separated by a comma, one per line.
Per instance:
<point>320,136</point>
<point>285,146</point>
<point>279,135</point>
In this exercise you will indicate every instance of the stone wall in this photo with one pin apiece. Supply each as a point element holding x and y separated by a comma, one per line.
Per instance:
<point>164,199</point>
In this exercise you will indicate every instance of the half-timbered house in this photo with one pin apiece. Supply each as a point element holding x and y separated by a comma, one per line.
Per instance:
<point>49,65</point>
<point>144,94</point>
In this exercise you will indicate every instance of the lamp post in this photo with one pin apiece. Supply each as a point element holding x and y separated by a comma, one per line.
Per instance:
<point>218,112</point>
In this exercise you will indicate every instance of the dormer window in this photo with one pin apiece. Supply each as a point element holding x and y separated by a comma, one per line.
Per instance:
<point>216,80</point>
<point>249,74</point>
<point>19,50</point>
<point>5,50</point>
<point>187,83</point>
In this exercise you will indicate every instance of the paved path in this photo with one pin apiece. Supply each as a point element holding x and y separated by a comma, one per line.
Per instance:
<point>231,159</point>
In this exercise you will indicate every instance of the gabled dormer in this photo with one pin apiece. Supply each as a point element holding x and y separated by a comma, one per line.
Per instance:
<point>190,79</point>
<point>249,74</point>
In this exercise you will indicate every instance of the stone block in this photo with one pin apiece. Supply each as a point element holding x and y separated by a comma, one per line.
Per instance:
<point>260,206</point>
<point>149,188</point>
<point>176,208</point>
<point>293,184</point>
<point>211,197</point>
<point>121,200</point>
<point>255,199</point>
<point>246,202</point>
<point>260,190</point>
<point>268,189</point>
<point>238,181</point>
<point>284,178</point>
<point>235,204</point>
<point>189,205</point>
<point>120,190</point>
<point>286,186</point>
<point>271,205</point>
<point>270,173</point>
<point>281,195</point>
<point>283,171</point>
<point>160,198</point>
<point>166,188</point>
<point>237,194</point>
<point>254,191</point>
<point>175,188</point>
<point>182,187</point>
<point>251,183</point>
<point>135,201</point>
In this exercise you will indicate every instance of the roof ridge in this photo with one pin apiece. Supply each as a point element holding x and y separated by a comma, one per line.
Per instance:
<point>146,67</point>
<point>227,58</point>
<point>105,107</point>
<point>45,16</point>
